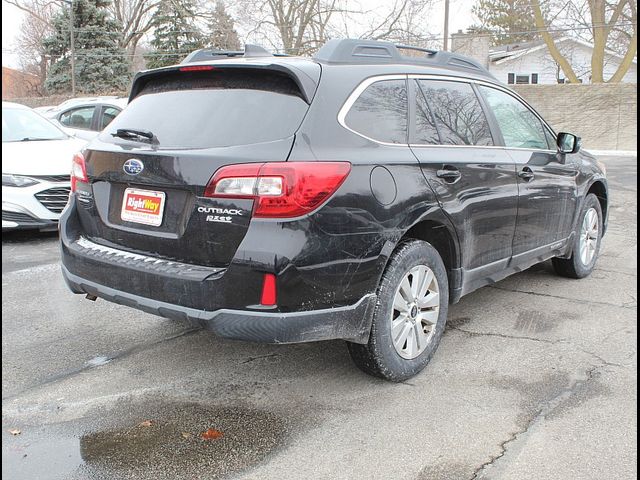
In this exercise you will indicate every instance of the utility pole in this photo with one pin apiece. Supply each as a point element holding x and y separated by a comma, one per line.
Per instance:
<point>446,25</point>
<point>73,52</point>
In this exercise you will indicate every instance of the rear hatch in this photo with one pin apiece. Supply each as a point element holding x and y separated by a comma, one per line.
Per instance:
<point>146,190</point>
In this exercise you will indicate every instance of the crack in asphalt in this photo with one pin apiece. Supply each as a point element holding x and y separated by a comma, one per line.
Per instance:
<point>575,300</point>
<point>260,357</point>
<point>89,366</point>
<point>547,406</point>
<point>545,409</point>
<point>629,274</point>
<point>561,341</point>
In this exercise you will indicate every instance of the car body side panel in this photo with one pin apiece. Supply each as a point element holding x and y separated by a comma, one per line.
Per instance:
<point>547,202</point>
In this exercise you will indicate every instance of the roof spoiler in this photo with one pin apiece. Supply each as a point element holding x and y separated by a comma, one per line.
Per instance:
<point>307,81</point>
<point>250,51</point>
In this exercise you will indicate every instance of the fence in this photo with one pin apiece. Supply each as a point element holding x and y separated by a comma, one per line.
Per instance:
<point>604,115</point>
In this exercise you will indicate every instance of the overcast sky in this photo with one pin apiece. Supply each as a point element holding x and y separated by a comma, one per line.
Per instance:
<point>460,19</point>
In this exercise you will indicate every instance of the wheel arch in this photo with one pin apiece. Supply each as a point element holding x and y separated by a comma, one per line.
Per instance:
<point>599,189</point>
<point>443,238</point>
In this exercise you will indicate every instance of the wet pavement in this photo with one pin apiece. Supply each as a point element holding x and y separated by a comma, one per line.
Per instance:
<point>535,378</point>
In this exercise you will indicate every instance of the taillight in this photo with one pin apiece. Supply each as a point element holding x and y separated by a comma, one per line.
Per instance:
<point>281,189</point>
<point>78,171</point>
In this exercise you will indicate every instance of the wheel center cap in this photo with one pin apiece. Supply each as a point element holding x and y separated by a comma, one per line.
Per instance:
<point>414,312</point>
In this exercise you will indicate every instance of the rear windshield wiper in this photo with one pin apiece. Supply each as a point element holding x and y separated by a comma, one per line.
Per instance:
<point>135,134</point>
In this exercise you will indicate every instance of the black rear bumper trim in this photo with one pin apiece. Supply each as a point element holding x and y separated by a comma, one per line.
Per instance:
<point>351,323</point>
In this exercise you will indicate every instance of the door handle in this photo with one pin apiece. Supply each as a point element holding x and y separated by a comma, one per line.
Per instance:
<point>526,174</point>
<point>449,174</point>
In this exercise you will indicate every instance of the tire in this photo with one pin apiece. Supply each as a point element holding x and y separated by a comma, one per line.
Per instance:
<point>381,356</point>
<point>582,262</point>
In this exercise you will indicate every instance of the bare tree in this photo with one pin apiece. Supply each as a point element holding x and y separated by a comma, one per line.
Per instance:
<point>135,18</point>
<point>403,22</point>
<point>602,19</point>
<point>36,26</point>
<point>302,26</point>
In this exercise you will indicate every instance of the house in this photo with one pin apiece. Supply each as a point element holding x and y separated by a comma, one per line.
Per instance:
<point>531,62</point>
<point>18,84</point>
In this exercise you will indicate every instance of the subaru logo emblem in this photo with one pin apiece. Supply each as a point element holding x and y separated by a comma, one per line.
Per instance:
<point>133,166</point>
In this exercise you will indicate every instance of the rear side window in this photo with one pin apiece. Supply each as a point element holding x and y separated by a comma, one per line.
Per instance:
<point>520,127</point>
<point>380,112</point>
<point>219,108</point>
<point>78,117</point>
<point>457,111</point>
<point>108,114</point>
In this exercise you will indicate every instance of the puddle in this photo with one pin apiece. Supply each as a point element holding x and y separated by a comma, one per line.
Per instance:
<point>98,361</point>
<point>23,458</point>
<point>162,443</point>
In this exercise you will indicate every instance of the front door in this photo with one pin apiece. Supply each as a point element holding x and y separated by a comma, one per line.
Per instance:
<point>546,179</point>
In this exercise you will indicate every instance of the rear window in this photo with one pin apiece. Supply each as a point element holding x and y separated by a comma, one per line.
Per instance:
<point>219,108</point>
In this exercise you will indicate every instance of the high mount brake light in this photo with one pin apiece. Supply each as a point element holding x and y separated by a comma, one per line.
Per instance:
<point>78,171</point>
<point>281,189</point>
<point>196,68</point>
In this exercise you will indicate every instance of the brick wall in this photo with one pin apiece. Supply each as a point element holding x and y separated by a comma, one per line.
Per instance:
<point>604,115</point>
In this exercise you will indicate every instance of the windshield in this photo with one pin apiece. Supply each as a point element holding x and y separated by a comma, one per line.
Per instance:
<point>218,110</point>
<point>21,125</point>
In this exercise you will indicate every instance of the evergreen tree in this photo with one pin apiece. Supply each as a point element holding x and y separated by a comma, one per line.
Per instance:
<point>222,34</point>
<point>101,65</point>
<point>175,33</point>
<point>508,21</point>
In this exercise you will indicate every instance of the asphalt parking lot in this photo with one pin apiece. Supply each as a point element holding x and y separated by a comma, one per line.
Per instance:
<point>535,378</point>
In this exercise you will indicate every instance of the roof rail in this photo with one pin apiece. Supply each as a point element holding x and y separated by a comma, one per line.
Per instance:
<point>250,51</point>
<point>351,51</point>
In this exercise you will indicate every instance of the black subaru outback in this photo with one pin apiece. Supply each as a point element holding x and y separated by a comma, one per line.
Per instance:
<point>352,195</point>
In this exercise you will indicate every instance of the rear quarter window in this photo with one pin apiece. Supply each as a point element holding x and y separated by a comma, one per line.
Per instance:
<point>216,108</point>
<point>380,112</point>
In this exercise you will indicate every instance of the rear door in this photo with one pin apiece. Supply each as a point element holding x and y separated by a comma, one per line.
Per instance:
<point>149,196</point>
<point>546,179</point>
<point>475,183</point>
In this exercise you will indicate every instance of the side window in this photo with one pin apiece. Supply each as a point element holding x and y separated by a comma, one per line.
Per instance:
<point>457,112</point>
<point>78,117</point>
<point>552,143</point>
<point>380,112</point>
<point>426,131</point>
<point>519,125</point>
<point>108,114</point>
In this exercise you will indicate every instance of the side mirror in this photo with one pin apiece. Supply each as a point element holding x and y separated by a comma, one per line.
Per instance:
<point>568,143</point>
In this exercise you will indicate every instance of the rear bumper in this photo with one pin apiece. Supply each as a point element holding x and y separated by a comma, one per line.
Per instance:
<point>350,323</point>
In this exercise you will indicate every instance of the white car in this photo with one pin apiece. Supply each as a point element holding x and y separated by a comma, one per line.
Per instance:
<point>36,164</point>
<point>86,117</point>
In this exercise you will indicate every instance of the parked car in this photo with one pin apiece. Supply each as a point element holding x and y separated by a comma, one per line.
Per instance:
<point>85,117</point>
<point>35,169</point>
<point>352,195</point>
<point>42,110</point>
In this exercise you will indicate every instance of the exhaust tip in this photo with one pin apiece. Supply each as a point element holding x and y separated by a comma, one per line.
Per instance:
<point>93,298</point>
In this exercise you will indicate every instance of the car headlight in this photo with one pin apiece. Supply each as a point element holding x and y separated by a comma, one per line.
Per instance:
<point>9,180</point>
